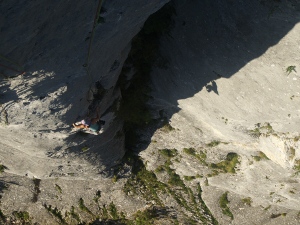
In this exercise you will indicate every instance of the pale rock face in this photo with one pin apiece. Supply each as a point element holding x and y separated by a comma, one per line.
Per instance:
<point>226,73</point>
<point>50,40</point>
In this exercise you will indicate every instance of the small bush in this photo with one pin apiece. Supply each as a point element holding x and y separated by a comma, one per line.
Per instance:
<point>2,168</point>
<point>247,201</point>
<point>290,69</point>
<point>228,165</point>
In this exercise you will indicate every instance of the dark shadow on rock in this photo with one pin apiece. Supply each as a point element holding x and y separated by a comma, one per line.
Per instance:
<point>216,39</point>
<point>212,86</point>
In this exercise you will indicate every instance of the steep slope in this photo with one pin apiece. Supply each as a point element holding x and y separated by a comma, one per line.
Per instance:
<point>63,57</point>
<point>227,88</point>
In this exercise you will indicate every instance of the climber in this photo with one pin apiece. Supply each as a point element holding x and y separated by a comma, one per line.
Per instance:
<point>92,124</point>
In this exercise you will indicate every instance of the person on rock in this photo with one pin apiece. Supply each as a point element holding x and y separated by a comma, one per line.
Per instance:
<point>88,123</point>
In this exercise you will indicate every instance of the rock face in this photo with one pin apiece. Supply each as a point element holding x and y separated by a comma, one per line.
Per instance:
<point>226,92</point>
<point>51,42</point>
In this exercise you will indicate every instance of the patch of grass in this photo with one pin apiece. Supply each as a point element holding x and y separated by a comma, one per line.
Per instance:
<point>260,156</point>
<point>206,182</point>
<point>290,69</point>
<point>255,132</point>
<point>56,213</point>
<point>167,127</point>
<point>85,148</point>
<point>267,208</point>
<point>223,201</point>
<point>146,217</point>
<point>144,182</point>
<point>83,207</point>
<point>114,178</point>
<point>200,156</point>
<point>247,201</point>
<point>113,211</point>
<point>174,179</point>
<point>189,178</point>
<point>74,214</point>
<point>228,165</point>
<point>259,129</point>
<point>169,153</point>
<point>2,168</point>
<point>22,215</point>
<point>213,143</point>
<point>58,188</point>
<point>97,196</point>
<point>190,151</point>
<point>104,213</point>
<point>273,216</point>
<point>297,166</point>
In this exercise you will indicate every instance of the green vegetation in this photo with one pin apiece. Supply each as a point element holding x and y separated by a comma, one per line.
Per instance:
<point>56,213</point>
<point>255,132</point>
<point>290,69</point>
<point>113,211</point>
<point>74,215</point>
<point>273,216</point>
<point>189,178</point>
<point>97,196</point>
<point>200,156</point>
<point>223,201</point>
<point>297,166</point>
<point>247,201</point>
<point>85,148</point>
<point>228,165</point>
<point>266,128</point>
<point>58,188</point>
<point>146,217</point>
<point>144,182</point>
<point>22,215</point>
<point>2,168</point>
<point>83,207</point>
<point>167,127</point>
<point>213,143</point>
<point>267,208</point>
<point>169,153</point>
<point>260,156</point>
